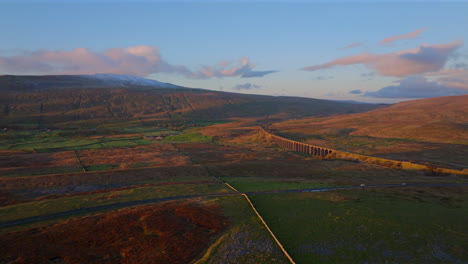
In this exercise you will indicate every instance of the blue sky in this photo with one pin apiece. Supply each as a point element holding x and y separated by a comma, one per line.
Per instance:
<point>331,50</point>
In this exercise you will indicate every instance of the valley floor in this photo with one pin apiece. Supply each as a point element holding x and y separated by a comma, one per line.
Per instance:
<point>124,198</point>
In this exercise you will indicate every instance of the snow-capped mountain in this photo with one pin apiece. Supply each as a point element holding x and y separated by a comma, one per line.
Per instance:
<point>11,82</point>
<point>124,80</point>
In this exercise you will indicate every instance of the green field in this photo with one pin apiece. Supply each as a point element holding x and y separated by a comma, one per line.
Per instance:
<point>100,167</point>
<point>55,140</point>
<point>246,241</point>
<point>369,226</point>
<point>132,134</point>
<point>189,137</point>
<point>250,184</point>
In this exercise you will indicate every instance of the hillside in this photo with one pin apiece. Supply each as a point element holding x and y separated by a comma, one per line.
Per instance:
<point>45,101</point>
<point>441,119</point>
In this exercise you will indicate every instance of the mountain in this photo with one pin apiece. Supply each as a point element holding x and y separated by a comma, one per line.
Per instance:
<point>353,102</point>
<point>31,82</point>
<point>128,80</point>
<point>48,100</point>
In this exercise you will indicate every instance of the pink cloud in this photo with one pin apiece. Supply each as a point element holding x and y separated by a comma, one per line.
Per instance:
<point>425,58</point>
<point>243,68</point>
<point>353,45</point>
<point>137,60</point>
<point>391,39</point>
<point>355,59</point>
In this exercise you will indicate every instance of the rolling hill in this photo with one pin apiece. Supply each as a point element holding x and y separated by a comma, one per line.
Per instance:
<point>441,119</point>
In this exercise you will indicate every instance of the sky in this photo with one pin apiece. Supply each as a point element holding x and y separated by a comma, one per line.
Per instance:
<point>368,51</point>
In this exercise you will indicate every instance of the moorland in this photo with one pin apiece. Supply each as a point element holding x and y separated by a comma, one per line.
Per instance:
<point>98,172</point>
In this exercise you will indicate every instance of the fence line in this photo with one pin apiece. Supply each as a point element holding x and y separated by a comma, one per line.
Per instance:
<point>263,222</point>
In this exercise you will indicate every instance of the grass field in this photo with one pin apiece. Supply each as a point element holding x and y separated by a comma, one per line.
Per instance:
<point>53,141</point>
<point>246,241</point>
<point>122,134</point>
<point>250,184</point>
<point>108,137</point>
<point>424,226</point>
<point>189,137</point>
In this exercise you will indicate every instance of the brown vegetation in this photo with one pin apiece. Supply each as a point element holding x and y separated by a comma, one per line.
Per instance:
<point>38,159</point>
<point>7,199</point>
<point>441,119</point>
<point>206,153</point>
<point>153,155</point>
<point>24,163</point>
<point>107,177</point>
<point>164,233</point>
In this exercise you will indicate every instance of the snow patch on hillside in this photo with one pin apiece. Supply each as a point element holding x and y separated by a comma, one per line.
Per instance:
<point>123,80</point>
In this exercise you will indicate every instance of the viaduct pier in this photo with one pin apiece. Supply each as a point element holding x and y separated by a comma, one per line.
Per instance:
<point>298,146</point>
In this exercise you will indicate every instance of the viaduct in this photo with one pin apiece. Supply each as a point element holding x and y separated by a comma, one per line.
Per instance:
<point>298,146</point>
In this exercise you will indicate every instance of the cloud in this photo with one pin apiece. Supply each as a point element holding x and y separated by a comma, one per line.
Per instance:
<point>455,78</point>
<point>243,68</point>
<point>137,60</point>
<point>250,74</point>
<point>370,74</point>
<point>321,78</point>
<point>460,65</point>
<point>416,87</point>
<point>355,92</point>
<point>246,86</point>
<point>425,58</point>
<point>354,45</point>
<point>391,39</point>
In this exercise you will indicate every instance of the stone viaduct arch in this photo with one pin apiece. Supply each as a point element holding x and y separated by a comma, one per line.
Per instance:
<point>298,146</point>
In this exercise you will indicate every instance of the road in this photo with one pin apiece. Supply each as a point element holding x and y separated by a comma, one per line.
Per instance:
<point>39,218</point>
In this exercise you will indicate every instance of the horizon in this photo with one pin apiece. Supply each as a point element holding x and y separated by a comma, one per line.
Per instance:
<point>401,50</point>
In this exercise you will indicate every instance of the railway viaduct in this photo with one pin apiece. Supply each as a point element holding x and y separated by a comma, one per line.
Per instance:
<point>298,146</point>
